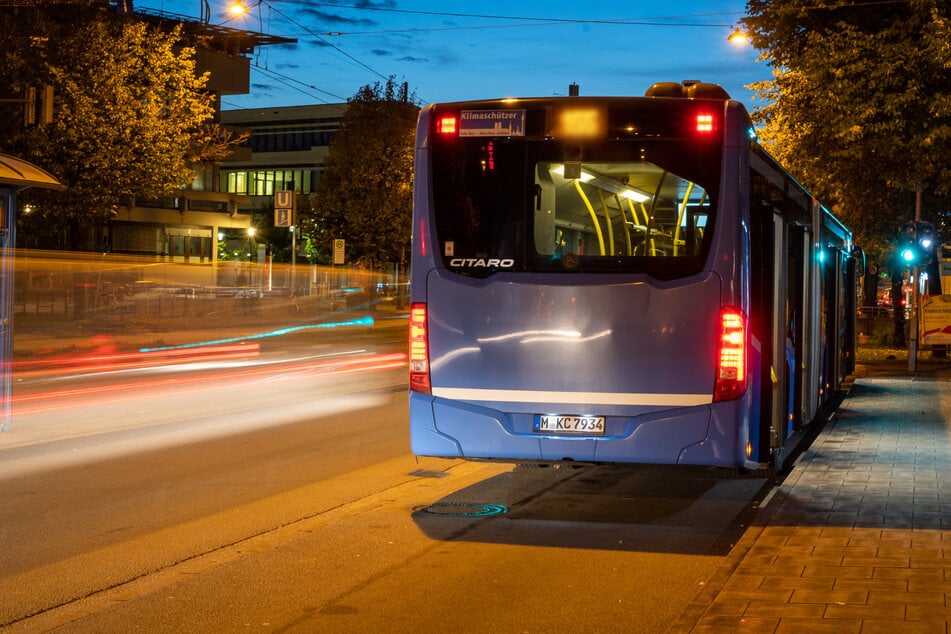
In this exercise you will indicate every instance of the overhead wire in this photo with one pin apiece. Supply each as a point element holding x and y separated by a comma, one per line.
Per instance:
<point>288,81</point>
<point>295,84</point>
<point>525,21</point>
<point>662,20</point>
<point>529,21</point>
<point>323,41</point>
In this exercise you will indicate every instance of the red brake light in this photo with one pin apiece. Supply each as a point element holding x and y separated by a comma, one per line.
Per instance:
<point>705,123</point>
<point>448,124</point>
<point>731,356</point>
<point>419,350</point>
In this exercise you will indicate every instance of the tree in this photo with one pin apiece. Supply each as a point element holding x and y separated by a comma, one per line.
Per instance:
<point>860,105</point>
<point>131,116</point>
<point>365,194</point>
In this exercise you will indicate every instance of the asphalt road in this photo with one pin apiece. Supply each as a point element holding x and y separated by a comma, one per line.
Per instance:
<point>278,494</point>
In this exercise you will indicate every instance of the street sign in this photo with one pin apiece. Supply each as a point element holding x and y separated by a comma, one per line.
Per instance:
<point>283,208</point>
<point>935,319</point>
<point>283,218</point>
<point>339,251</point>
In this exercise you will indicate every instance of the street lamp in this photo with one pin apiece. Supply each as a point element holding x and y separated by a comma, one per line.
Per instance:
<point>237,8</point>
<point>251,242</point>
<point>738,38</point>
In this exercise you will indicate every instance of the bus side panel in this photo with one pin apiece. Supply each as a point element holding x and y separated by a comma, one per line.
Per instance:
<point>423,258</point>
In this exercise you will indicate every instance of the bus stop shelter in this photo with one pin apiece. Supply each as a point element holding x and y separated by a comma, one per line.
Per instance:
<point>15,176</point>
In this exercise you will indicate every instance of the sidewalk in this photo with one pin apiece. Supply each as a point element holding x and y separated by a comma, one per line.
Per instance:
<point>856,538</point>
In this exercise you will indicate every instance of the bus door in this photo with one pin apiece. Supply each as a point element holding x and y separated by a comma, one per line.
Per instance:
<point>797,267</point>
<point>779,362</point>
<point>768,266</point>
<point>834,298</point>
<point>812,324</point>
<point>854,270</point>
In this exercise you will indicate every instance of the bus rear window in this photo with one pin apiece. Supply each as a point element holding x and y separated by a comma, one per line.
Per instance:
<point>519,204</point>
<point>611,209</point>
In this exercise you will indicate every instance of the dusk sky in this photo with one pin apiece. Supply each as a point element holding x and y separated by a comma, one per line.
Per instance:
<point>451,50</point>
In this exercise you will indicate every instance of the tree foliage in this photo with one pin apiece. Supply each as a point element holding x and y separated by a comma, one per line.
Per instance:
<point>365,194</point>
<point>859,107</point>
<point>130,114</point>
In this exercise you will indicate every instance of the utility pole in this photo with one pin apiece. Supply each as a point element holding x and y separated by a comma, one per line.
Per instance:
<point>915,297</point>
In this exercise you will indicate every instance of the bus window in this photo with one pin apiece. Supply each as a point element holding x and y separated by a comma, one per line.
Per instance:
<point>617,209</point>
<point>542,205</point>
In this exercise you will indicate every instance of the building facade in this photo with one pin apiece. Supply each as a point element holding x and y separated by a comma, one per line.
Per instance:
<point>287,149</point>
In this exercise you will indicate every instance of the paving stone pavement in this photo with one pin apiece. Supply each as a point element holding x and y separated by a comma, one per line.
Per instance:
<point>857,538</point>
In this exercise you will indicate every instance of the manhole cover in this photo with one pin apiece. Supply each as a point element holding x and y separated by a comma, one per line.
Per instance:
<point>462,509</point>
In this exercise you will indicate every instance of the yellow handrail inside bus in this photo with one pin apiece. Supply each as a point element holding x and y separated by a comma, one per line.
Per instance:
<point>627,234</point>
<point>594,216</point>
<point>634,217</point>
<point>680,216</point>
<point>607,220</point>
<point>646,218</point>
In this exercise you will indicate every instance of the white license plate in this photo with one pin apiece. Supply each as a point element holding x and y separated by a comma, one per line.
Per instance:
<point>568,424</point>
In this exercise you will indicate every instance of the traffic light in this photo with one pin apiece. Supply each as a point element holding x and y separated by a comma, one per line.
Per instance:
<point>917,243</point>
<point>925,234</point>
<point>909,251</point>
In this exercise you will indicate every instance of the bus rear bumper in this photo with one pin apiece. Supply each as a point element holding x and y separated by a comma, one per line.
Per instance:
<point>675,436</point>
<point>424,439</point>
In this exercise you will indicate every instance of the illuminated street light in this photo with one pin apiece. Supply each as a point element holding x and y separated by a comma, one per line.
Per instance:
<point>738,38</point>
<point>237,8</point>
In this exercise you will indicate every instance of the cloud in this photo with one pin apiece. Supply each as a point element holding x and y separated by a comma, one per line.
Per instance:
<point>326,19</point>
<point>367,4</point>
<point>412,59</point>
<point>379,52</point>
<point>261,89</point>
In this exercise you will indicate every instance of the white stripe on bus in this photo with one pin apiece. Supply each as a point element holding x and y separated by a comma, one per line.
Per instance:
<point>597,398</point>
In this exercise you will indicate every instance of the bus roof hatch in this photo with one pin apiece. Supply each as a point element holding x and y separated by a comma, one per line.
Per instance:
<point>689,88</point>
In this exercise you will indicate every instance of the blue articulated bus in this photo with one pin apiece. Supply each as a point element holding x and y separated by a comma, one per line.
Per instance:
<point>619,279</point>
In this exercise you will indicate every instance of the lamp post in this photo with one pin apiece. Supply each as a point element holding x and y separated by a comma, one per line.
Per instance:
<point>250,250</point>
<point>915,298</point>
<point>293,261</point>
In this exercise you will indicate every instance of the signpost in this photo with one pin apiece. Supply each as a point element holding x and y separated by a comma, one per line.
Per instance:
<point>284,209</point>
<point>339,251</point>
<point>339,248</point>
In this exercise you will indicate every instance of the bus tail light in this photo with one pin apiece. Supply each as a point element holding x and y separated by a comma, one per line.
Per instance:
<point>419,350</point>
<point>705,123</point>
<point>731,356</point>
<point>447,124</point>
